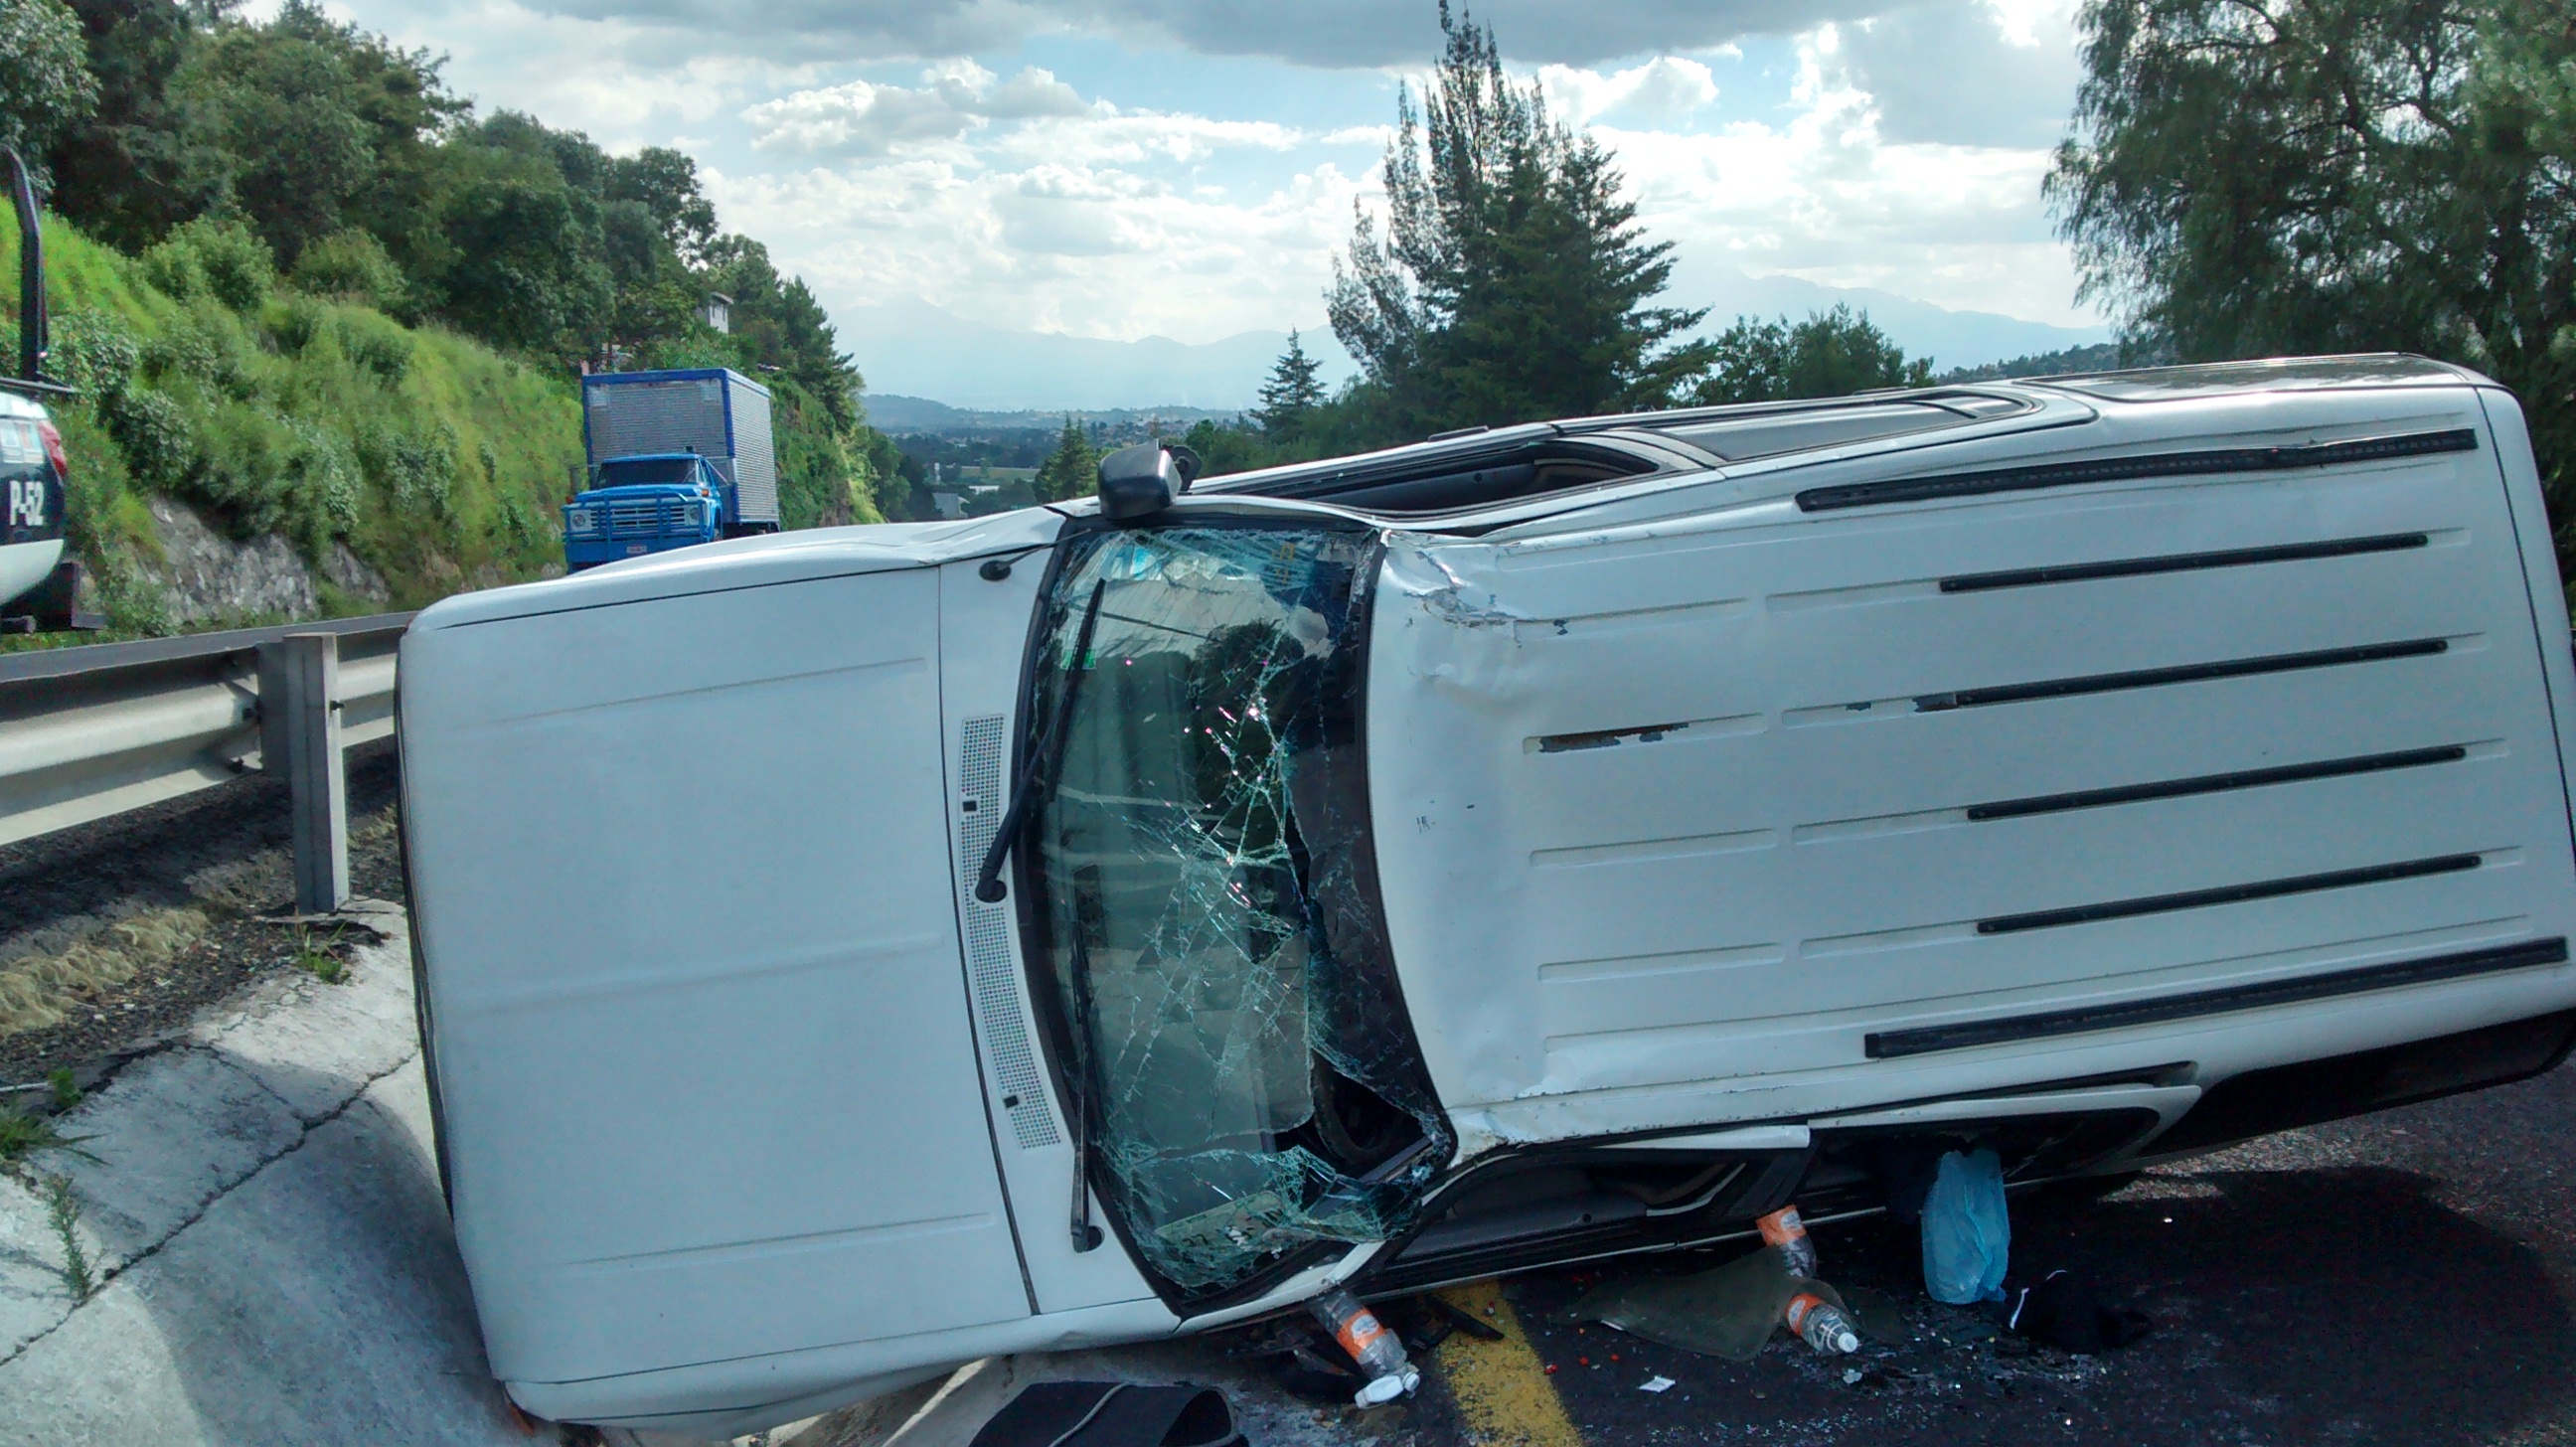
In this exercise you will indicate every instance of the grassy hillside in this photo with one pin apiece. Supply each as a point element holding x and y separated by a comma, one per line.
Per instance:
<point>295,412</point>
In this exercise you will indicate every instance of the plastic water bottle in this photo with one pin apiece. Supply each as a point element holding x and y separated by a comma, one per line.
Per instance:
<point>1379,1354</point>
<point>1783,1229</point>
<point>1823,1324</point>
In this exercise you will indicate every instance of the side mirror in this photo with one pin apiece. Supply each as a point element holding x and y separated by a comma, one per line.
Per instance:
<point>1140,481</point>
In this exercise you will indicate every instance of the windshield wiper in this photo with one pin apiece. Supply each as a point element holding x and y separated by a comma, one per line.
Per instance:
<point>1077,1079</point>
<point>1049,758</point>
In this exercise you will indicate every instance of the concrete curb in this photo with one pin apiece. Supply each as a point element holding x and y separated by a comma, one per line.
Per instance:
<point>177,1129</point>
<point>272,1257</point>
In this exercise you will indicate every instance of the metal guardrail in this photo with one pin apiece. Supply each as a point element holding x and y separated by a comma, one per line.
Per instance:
<point>93,731</point>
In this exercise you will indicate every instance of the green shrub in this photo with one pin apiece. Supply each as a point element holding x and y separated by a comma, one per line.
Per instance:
<point>435,459</point>
<point>205,346</point>
<point>222,259</point>
<point>415,471</point>
<point>95,352</point>
<point>294,321</point>
<point>325,478</point>
<point>351,266</point>
<point>378,345</point>
<point>157,434</point>
<point>243,469</point>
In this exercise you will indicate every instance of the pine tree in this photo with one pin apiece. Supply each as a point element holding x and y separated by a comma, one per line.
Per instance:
<point>1513,281</point>
<point>1069,471</point>
<point>1291,395</point>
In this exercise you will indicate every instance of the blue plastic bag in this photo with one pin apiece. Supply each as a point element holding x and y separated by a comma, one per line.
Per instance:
<point>1966,1235</point>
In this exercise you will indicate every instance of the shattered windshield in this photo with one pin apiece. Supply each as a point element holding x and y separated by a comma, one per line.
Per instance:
<point>1208,900</point>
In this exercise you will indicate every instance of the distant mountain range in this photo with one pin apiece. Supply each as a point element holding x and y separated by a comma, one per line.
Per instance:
<point>914,351</point>
<point>894,412</point>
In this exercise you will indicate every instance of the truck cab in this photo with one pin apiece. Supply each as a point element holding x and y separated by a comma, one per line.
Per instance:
<point>646,504</point>
<point>677,457</point>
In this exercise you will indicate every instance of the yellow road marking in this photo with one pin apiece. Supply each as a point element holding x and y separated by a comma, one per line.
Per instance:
<point>1502,1386</point>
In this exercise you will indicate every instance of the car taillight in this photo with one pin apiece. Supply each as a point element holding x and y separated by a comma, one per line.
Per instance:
<point>54,450</point>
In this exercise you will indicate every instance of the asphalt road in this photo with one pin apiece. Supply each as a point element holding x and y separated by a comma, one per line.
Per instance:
<point>2399,1278</point>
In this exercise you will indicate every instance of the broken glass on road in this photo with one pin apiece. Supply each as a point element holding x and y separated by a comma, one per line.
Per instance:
<point>1207,900</point>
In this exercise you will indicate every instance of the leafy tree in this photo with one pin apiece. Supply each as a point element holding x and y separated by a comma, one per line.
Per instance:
<point>1291,394</point>
<point>523,266</point>
<point>1513,281</point>
<point>404,107</point>
<point>665,183</point>
<point>780,323</point>
<point>45,86</point>
<point>1072,470</point>
<point>2097,357</point>
<point>278,108</point>
<point>1830,354</point>
<point>136,168</point>
<point>1223,449</point>
<point>2248,179</point>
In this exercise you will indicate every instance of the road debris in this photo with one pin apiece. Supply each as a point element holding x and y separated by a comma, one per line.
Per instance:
<point>1967,1235</point>
<point>2063,1310</point>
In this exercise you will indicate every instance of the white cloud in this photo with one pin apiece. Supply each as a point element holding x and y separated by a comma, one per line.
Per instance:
<point>1143,136</point>
<point>1967,72</point>
<point>1830,196</point>
<point>864,119</point>
<point>1094,250</point>
<point>1032,92</point>
<point>1667,89</point>
<point>1908,156</point>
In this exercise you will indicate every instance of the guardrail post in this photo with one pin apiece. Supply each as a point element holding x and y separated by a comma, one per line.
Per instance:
<point>304,716</point>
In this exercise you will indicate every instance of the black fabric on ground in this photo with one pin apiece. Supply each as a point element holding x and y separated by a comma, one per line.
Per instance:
<point>2064,1311</point>
<point>1112,1414</point>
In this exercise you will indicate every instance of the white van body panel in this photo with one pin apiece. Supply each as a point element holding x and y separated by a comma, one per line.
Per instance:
<point>1665,836</point>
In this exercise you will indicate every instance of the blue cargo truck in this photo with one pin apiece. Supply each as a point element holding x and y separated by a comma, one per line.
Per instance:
<point>675,458</point>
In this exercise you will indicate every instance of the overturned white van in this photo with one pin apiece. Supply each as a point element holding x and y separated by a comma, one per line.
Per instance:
<point>850,953</point>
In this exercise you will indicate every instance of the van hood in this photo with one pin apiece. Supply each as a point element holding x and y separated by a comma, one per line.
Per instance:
<point>620,1047</point>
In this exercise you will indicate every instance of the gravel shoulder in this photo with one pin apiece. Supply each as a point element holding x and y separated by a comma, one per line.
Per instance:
<point>128,928</point>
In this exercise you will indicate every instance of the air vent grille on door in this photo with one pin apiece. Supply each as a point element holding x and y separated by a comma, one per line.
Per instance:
<point>990,968</point>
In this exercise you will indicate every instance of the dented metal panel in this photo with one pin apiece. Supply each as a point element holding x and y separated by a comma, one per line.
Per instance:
<point>1676,816</point>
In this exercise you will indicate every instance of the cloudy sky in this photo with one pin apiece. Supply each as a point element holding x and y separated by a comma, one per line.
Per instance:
<point>1186,168</point>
